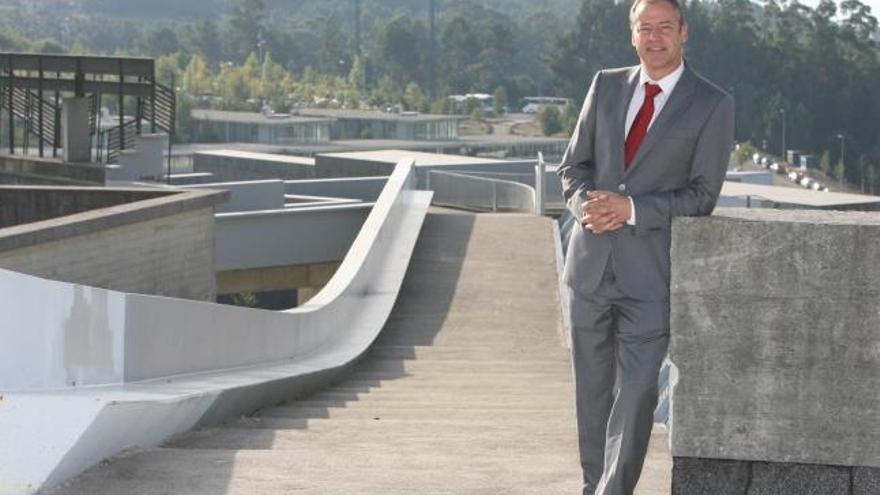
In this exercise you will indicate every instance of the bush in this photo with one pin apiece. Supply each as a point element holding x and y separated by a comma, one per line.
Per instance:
<point>550,120</point>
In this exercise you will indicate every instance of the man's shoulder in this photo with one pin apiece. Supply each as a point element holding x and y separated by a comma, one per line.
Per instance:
<point>708,87</point>
<point>618,72</point>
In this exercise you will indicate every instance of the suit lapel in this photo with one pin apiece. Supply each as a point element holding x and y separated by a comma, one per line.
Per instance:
<point>627,88</point>
<point>679,100</point>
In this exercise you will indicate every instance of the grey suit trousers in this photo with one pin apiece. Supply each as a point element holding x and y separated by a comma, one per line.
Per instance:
<point>618,345</point>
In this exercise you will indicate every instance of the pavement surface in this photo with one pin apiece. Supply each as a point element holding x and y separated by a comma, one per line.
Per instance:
<point>466,391</point>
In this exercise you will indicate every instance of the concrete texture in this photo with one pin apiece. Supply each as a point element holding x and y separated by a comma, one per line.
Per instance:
<point>88,211</point>
<point>128,240</point>
<point>866,481</point>
<point>170,256</point>
<point>25,204</point>
<point>229,165</point>
<point>75,137</point>
<point>466,391</point>
<point>18,169</point>
<point>774,333</point>
<point>772,478</point>
<point>716,476</point>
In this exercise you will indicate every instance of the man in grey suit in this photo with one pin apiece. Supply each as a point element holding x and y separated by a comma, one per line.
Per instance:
<point>652,142</point>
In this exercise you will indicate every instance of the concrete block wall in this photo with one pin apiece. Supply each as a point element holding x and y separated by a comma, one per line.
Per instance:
<point>169,256</point>
<point>26,204</point>
<point>776,336</point>
<point>252,166</point>
<point>19,169</point>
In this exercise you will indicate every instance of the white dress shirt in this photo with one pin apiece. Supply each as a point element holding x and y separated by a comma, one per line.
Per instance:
<point>667,84</point>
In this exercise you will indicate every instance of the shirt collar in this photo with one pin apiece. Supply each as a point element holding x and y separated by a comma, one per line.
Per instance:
<point>667,83</point>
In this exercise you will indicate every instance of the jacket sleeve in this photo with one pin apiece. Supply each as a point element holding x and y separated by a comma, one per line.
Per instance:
<point>578,165</point>
<point>708,169</point>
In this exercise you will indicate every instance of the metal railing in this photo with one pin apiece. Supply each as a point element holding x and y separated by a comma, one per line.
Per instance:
<point>462,190</point>
<point>37,113</point>
<point>117,139</point>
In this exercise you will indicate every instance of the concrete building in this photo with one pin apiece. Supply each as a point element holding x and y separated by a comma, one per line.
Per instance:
<point>253,127</point>
<point>367,124</point>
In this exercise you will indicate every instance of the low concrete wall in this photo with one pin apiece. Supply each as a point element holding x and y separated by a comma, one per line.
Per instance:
<point>227,166</point>
<point>17,169</point>
<point>25,204</point>
<point>161,365</point>
<point>249,195</point>
<point>162,246</point>
<point>361,188</point>
<point>775,335</point>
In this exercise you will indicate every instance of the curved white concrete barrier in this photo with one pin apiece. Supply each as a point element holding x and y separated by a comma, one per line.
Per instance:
<point>88,372</point>
<point>466,190</point>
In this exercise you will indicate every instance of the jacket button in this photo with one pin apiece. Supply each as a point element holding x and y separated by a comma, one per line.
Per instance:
<point>621,187</point>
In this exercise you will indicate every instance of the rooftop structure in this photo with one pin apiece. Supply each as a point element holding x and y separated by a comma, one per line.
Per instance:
<point>756,195</point>
<point>34,88</point>
<point>358,124</point>
<point>254,127</point>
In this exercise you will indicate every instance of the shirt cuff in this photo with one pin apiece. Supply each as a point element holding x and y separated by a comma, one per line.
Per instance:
<point>632,212</point>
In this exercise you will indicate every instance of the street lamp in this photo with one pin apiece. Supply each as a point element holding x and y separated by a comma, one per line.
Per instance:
<point>782,111</point>
<point>260,44</point>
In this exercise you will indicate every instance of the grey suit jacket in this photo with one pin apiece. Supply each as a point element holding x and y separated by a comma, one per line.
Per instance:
<point>678,171</point>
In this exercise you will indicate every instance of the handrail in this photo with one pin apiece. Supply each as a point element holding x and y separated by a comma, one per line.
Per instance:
<point>463,190</point>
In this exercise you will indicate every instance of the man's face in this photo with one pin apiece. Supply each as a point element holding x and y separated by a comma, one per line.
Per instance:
<point>658,37</point>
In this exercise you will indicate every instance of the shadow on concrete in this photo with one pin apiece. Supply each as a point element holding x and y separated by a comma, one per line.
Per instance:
<point>417,317</point>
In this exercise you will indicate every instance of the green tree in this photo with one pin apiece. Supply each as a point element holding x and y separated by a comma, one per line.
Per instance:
<point>550,120</point>
<point>825,163</point>
<point>414,99</point>
<point>401,42</point>
<point>569,119</point>
<point>197,78</point>
<point>499,102</point>
<point>246,27</point>
<point>600,40</point>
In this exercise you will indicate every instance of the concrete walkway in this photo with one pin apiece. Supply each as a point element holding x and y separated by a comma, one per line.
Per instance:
<point>467,391</point>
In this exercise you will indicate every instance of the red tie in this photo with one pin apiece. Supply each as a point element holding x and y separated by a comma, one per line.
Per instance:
<point>640,125</point>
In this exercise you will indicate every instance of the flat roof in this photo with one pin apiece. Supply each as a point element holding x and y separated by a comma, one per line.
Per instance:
<point>266,157</point>
<point>254,117</point>
<point>375,115</point>
<point>421,158</point>
<point>795,196</point>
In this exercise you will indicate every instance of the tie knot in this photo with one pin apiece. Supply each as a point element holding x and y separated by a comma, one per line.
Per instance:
<point>652,90</point>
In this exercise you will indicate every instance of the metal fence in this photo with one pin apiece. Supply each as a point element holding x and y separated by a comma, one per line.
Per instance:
<point>462,190</point>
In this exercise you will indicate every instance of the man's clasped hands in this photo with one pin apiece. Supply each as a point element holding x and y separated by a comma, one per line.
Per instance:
<point>605,211</point>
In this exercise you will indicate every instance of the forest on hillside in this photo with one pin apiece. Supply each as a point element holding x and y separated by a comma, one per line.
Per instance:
<point>814,67</point>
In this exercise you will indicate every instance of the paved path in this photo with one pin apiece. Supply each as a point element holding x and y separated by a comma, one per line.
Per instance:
<point>467,391</point>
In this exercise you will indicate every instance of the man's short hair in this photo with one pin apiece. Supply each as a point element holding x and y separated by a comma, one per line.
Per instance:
<point>679,13</point>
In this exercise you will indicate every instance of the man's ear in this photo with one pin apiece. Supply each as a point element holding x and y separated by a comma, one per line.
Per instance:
<point>684,32</point>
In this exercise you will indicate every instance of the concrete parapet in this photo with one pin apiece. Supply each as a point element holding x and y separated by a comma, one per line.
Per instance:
<point>229,165</point>
<point>775,335</point>
<point>143,241</point>
<point>19,169</point>
<point>143,161</point>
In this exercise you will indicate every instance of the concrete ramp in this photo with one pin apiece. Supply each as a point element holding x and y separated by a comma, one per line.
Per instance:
<point>466,391</point>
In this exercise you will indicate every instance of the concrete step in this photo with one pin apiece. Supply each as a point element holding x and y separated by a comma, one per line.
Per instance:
<point>524,423</point>
<point>383,469</point>
<point>471,353</point>
<point>498,412</point>
<point>473,396</point>
<point>472,438</point>
<point>451,376</point>
<point>482,367</point>
<point>462,383</point>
